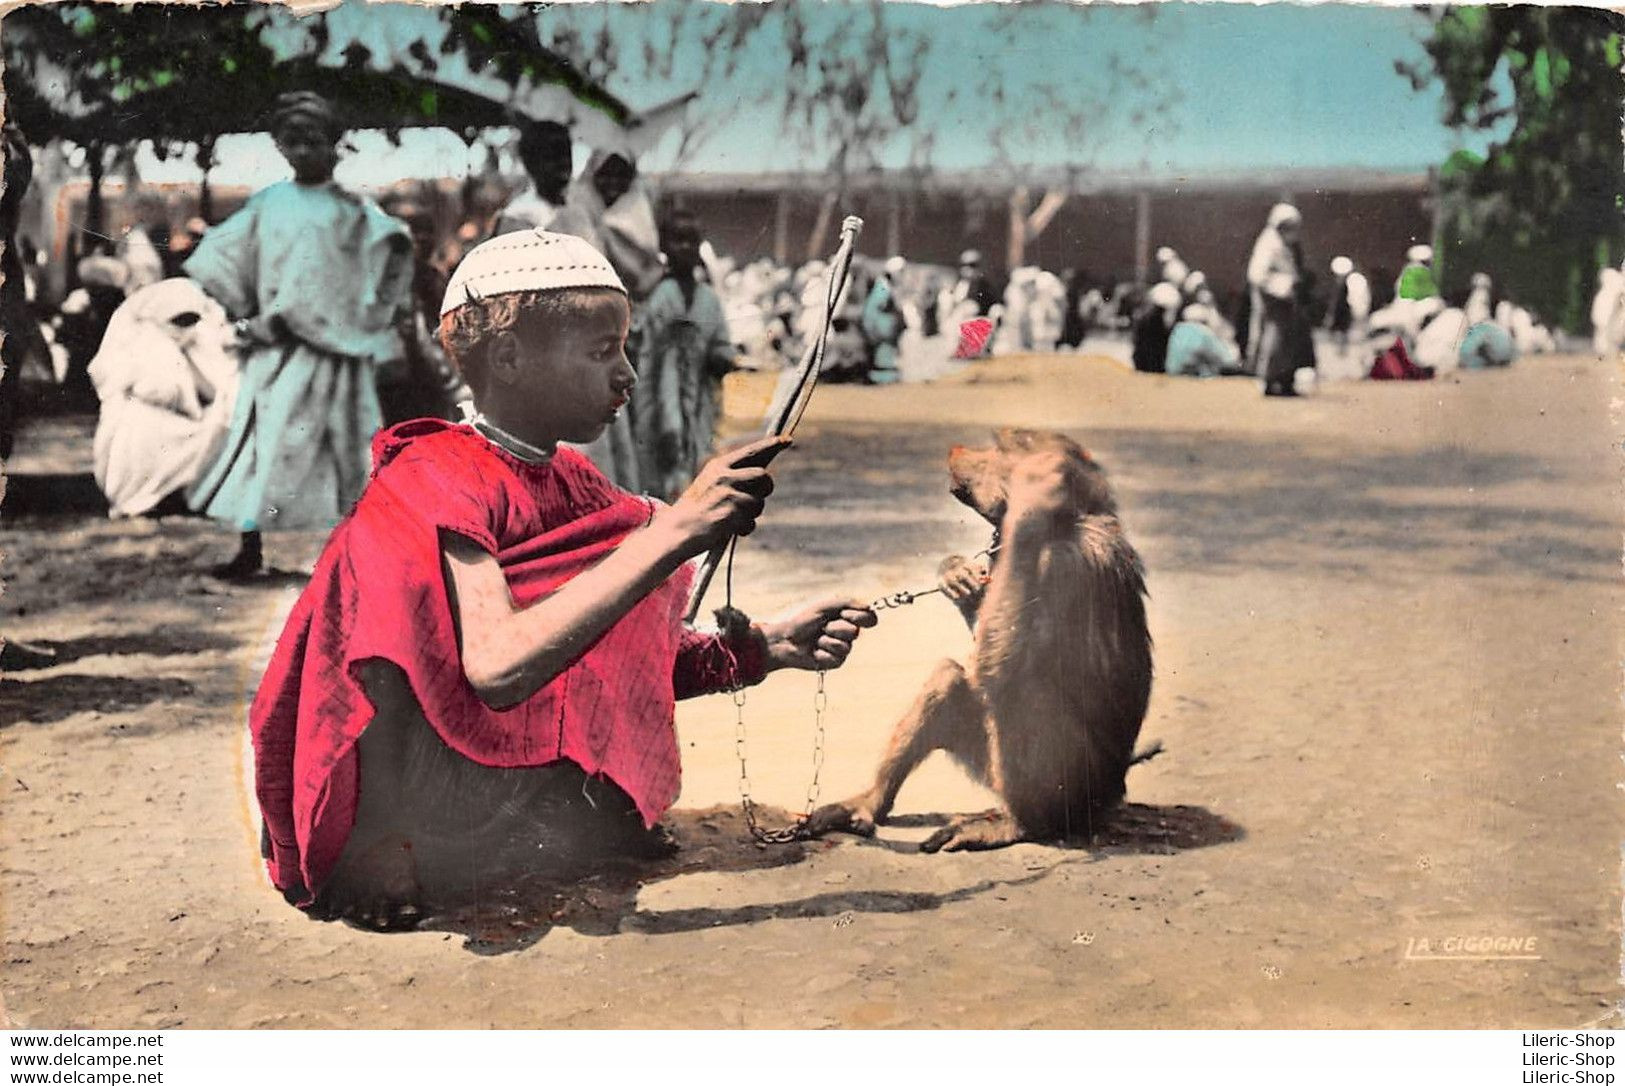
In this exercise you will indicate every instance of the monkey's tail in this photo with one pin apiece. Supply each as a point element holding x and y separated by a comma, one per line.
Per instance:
<point>1145,754</point>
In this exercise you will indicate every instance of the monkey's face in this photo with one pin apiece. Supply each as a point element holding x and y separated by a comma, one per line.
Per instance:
<point>980,476</point>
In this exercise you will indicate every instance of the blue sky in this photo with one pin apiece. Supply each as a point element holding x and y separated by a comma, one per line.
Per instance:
<point>1242,86</point>
<point>1258,86</point>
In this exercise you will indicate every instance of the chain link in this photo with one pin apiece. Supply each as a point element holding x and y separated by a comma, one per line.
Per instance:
<point>905,597</point>
<point>795,831</point>
<point>820,703</point>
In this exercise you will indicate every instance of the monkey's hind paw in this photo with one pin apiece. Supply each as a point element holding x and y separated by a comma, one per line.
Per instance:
<point>972,833</point>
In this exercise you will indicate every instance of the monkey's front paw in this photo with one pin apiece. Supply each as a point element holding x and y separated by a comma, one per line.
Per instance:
<point>961,579</point>
<point>848,816</point>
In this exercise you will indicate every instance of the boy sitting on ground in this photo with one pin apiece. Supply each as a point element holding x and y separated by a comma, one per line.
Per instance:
<point>478,682</point>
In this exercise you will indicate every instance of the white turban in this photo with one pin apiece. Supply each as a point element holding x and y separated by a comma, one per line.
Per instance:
<point>1164,296</point>
<point>1342,265</point>
<point>1282,214</point>
<point>1419,254</point>
<point>528,260</point>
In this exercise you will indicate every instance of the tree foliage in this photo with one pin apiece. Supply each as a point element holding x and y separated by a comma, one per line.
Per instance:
<point>175,73</point>
<point>860,84</point>
<point>1542,211</point>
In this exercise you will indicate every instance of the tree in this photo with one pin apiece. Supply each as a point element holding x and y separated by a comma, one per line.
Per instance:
<point>862,86</point>
<point>108,76</point>
<point>1541,212</point>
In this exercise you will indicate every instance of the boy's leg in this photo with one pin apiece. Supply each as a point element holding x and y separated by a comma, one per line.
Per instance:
<point>433,829</point>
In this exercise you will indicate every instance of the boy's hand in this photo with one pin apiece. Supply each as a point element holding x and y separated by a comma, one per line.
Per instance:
<point>725,498</point>
<point>818,638</point>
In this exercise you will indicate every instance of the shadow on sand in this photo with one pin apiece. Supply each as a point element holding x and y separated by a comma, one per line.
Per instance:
<point>48,700</point>
<point>716,840</point>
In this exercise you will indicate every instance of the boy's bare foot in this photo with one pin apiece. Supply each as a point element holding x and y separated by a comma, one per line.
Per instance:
<point>379,890</point>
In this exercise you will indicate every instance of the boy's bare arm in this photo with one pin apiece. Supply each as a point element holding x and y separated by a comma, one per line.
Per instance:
<point>509,653</point>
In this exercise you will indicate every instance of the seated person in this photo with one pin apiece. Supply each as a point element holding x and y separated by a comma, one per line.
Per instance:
<point>166,374</point>
<point>1196,350</point>
<point>478,683</point>
<point>1437,344</point>
<point>1487,345</point>
<point>1452,340</point>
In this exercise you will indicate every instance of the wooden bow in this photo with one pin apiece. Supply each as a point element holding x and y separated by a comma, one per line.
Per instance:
<point>791,404</point>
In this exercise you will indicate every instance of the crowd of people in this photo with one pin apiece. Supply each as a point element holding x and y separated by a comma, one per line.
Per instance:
<point>242,370</point>
<point>1419,333</point>
<point>902,319</point>
<point>217,352</point>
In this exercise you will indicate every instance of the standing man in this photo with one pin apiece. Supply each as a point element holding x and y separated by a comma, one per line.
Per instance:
<point>1280,343</point>
<point>319,282</point>
<point>682,355</point>
<point>545,153</point>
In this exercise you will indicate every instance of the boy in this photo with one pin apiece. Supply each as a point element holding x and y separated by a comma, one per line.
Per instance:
<point>685,352</point>
<point>318,281</point>
<point>479,680</point>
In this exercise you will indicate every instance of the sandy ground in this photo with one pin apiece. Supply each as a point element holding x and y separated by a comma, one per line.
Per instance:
<point>1388,672</point>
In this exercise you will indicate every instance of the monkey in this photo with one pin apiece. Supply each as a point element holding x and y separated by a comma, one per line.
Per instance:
<point>1047,709</point>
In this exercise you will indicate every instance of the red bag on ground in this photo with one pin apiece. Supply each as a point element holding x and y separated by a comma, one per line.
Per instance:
<point>1395,364</point>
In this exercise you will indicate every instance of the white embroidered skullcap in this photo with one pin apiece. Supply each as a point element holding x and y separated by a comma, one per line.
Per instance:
<point>1194,282</point>
<point>527,260</point>
<point>1342,265</point>
<point>1165,254</point>
<point>1419,254</point>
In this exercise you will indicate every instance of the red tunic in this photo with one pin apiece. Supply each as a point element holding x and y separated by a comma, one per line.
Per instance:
<point>378,593</point>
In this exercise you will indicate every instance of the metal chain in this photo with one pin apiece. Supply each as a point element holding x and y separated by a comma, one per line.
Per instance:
<point>796,830</point>
<point>820,703</point>
<point>905,597</point>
